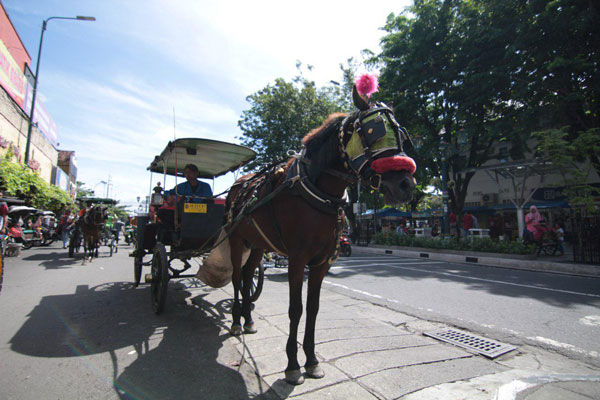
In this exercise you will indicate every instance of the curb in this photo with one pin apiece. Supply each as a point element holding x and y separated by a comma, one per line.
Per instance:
<point>478,259</point>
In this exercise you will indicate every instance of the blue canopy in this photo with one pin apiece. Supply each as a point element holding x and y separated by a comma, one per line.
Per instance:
<point>386,212</point>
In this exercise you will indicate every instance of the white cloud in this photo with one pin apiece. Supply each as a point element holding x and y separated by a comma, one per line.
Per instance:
<point>142,59</point>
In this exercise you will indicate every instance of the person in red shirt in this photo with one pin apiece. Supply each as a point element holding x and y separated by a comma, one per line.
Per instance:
<point>453,219</point>
<point>467,221</point>
<point>3,215</point>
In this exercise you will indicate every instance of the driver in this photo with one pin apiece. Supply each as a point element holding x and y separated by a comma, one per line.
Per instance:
<point>192,187</point>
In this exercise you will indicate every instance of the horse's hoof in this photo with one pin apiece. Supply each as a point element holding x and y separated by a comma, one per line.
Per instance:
<point>294,377</point>
<point>249,328</point>
<point>315,371</point>
<point>235,330</point>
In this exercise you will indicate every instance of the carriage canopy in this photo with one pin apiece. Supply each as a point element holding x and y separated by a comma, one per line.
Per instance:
<point>212,157</point>
<point>88,201</point>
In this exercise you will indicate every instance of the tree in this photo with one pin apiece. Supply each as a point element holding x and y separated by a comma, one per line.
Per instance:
<point>82,191</point>
<point>281,114</point>
<point>20,181</point>
<point>571,159</point>
<point>492,71</point>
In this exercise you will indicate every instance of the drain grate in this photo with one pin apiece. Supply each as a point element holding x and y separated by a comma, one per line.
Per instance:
<point>487,347</point>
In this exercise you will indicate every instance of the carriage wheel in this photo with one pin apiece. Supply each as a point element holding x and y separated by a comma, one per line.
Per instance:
<point>257,282</point>
<point>160,278</point>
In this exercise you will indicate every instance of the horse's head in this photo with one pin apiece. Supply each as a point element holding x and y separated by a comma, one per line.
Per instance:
<point>371,144</point>
<point>97,214</point>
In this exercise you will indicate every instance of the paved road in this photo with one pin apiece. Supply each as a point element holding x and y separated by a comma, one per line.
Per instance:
<point>552,310</point>
<point>74,331</point>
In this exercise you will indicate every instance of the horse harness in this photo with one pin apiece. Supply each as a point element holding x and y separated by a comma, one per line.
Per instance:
<point>368,129</point>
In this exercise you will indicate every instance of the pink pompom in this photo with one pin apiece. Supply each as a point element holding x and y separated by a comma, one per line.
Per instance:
<point>367,84</point>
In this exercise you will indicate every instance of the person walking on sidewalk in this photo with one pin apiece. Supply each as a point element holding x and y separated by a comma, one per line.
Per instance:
<point>560,237</point>
<point>532,219</point>
<point>467,221</point>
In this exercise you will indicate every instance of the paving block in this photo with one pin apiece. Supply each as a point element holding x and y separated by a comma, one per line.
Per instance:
<point>341,391</point>
<point>259,348</point>
<point>397,382</point>
<point>368,363</point>
<point>285,390</point>
<point>339,348</point>
<point>381,313</point>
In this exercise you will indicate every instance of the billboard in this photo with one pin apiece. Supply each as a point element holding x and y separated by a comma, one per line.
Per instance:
<point>11,77</point>
<point>42,117</point>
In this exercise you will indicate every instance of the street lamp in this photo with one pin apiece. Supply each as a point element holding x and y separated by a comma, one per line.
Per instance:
<point>96,185</point>
<point>445,151</point>
<point>35,82</point>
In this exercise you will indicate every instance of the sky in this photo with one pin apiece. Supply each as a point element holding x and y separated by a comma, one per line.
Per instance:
<point>147,71</point>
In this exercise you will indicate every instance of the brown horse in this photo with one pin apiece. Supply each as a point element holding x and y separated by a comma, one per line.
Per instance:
<point>295,209</point>
<point>91,224</point>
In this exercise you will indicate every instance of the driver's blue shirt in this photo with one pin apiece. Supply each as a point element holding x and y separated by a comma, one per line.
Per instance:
<point>185,189</point>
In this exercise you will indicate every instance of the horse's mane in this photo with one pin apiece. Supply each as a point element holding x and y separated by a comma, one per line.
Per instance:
<point>321,144</point>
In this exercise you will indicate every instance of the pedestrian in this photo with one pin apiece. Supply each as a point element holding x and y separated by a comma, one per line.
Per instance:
<point>467,221</point>
<point>560,236</point>
<point>453,219</point>
<point>3,215</point>
<point>532,219</point>
<point>63,227</point>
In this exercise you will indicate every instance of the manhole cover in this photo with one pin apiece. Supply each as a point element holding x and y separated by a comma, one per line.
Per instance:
<point>487,347</point>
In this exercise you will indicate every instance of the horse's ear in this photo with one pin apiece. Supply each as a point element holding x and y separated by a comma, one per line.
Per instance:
<point>359,101</point>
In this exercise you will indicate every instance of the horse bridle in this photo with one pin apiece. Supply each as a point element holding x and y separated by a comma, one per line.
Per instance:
<point>370,131</point>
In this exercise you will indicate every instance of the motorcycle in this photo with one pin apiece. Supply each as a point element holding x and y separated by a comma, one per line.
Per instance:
<point>129,233</point>
<point>345,247</point>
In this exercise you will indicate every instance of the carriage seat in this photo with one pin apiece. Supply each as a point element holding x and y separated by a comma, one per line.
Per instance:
<point>199,219</point>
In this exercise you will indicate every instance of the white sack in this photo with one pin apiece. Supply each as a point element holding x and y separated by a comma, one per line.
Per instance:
<point>217,269</point>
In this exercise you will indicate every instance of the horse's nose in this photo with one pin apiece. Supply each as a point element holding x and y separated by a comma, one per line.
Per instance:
<point>407,184</point>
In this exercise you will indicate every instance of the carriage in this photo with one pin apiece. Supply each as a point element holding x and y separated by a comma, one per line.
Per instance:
<point>76,235</point>
<point>196,221</point>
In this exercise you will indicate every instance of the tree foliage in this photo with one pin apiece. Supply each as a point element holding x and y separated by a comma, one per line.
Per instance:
<point>281,114</point>
<point>19,181</point>
<point>486,72</point>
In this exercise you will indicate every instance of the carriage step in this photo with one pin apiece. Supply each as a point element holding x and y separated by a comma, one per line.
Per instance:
<point>148,278</point>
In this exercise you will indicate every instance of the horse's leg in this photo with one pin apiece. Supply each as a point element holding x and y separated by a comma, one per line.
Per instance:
<point>293,375</point>
<point>315,279</point>
<point>248,271</point>
<point>236,248</point>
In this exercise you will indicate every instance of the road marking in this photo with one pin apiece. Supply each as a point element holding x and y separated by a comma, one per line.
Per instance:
<point>591,320</point>
<point>490,280</point>
<point>561,345</point>
<point>387,265</point>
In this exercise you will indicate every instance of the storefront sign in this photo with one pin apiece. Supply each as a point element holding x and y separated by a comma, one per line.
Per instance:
<point>41,117</point>
<point>11,77</point>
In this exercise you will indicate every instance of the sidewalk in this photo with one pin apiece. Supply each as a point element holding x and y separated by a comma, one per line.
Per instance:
<point>371,352</point>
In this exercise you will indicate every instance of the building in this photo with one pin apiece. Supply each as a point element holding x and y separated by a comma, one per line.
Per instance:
<point>16,88</point>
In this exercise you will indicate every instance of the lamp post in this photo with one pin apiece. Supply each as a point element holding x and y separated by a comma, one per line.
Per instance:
<point>35,82</point>
<point>96,185</point>
<point>445,151</point>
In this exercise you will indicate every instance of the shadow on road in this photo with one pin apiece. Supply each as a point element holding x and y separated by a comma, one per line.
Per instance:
<point>174,355</point>
<point>55,260</point>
